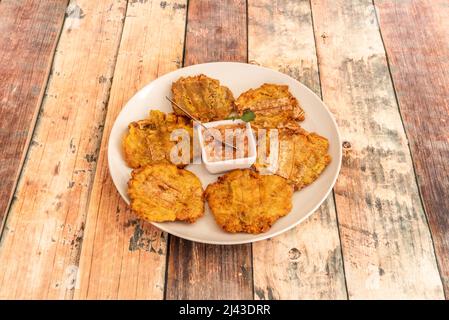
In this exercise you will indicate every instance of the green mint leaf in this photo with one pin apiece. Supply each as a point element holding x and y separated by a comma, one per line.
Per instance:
<point>248,116</point>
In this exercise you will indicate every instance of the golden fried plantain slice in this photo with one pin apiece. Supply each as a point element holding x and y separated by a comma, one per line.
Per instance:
<point>148,141</point>
<point>163,192</point>
<point>202,97</point>
<point>246,201</point>
<point>272,104</point>
<point>302,156</point>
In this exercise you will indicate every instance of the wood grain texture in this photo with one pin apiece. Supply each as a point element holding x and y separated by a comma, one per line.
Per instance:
<point>122,257</point>
<point>216,31</point>
<point>386,242</point>
<point>29,32</point>
<point>306,262</point>
<point>44,230</point>
<point>416,39</point>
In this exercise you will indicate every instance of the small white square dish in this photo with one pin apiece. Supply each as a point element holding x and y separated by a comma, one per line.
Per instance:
<point>222,163</point>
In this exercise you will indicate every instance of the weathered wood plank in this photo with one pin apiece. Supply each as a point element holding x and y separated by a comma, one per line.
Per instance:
<point>216,31</point>
<point>123,257</point>
<point>416,39</point>
<point>28,35</point>
<point>386,242</point>
<point>41,243</point>
<point>306,262</point>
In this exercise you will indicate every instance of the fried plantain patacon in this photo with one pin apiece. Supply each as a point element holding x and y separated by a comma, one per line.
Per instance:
<point>148,141</point>
<point>301,156</point>
<point>273,105</point>
<point>163,192</point>
<point>246,201</point>
<point>203,97</point>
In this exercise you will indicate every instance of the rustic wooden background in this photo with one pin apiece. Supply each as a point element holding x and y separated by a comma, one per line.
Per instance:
<point>67,68</point>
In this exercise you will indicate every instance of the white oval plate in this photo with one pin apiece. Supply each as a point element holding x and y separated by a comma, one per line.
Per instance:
<point>238,77</point>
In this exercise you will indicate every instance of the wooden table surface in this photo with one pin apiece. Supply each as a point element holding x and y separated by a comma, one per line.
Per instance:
<point>66,70</point>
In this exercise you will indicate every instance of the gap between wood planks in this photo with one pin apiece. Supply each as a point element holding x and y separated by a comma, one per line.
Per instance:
<point>416,34</point>
<point>118,248</point>
<point>385,240</point>
<point>408,142</point>
<point>68,24</point>
<point>100,138</point>
<point>295,264</point>
<point>333,192</point>
<point>218,271</point>
<point>5,207</point>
